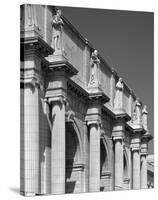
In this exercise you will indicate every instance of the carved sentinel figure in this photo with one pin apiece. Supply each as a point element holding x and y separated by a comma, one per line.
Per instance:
<point>57,24</point>
<point>94,79</point>
<point>137,112</point>
<point>145,109</point>
<point>119,94</point>
<point>144,117</point>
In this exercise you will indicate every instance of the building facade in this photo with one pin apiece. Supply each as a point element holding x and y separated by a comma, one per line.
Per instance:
<point>150,171</point>
<point>82,128</point>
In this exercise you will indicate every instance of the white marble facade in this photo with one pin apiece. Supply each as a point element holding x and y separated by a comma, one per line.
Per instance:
<point>82,128</point>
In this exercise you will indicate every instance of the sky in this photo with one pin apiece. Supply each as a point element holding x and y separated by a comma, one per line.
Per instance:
<point>125,40</point>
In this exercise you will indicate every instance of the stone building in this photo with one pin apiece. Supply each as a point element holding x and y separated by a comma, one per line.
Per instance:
<point>82,128</point>
<point>150,171</point>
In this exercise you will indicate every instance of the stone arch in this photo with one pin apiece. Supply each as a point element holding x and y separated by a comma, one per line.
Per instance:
<point>104,154</point>
<point>125,165</point>
<point>74,158</point>
<point>78,132</point>
<point>105,174</point>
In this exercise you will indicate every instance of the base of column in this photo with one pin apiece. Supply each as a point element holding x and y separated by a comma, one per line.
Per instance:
<point>143,188</point>
<point>117,188</point>
<point>58,188</point>
<point>27,194</point>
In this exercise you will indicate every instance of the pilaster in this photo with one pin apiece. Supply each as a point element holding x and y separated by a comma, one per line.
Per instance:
<point>58,73</point>
<point>57,105</point>
<point>93,118</point>
<point>120,119</point>
<point>138,131</point>
<point>33,51</point>
<point>94,162</point>
<point>144,153</point>
<point>136,164</point>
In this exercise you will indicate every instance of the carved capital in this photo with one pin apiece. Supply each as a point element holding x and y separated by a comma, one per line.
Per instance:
<point>34,81</point>
<point>94,122</point>
<point>135,147</point>
<point>59,99</point>
<point>144,151</point>
<point>117,137</point>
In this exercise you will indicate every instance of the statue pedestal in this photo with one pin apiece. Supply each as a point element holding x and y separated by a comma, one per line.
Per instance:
<point>119,111</point>
<point>94,89</point>
<point>136,125</point>
<point>57,56</point>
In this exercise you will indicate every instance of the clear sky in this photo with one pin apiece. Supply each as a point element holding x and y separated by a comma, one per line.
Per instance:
<point>125,40</point>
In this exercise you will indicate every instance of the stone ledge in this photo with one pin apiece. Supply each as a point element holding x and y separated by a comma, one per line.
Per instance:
<point>63,65</point>
<point>34,43</point>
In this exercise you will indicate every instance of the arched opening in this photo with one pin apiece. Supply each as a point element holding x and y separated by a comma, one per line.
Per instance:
<point>125,167</point>
<point>73,160</point>
<point>103,158</point>
<point>104,173</point>
<point>125,171</point>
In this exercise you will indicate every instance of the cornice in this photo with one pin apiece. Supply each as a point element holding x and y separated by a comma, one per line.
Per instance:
<point>100,95</point>
<point>63,65</point>
<point>146,137</point>
<point>122,116</point>
<point>34,44</point>
<point>78,90</point>
<point>108,112</point>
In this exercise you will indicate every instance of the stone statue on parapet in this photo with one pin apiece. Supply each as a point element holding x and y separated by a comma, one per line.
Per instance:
<point>137,114</point>
<point>94,74</point>
<point>144,117</point>
<point>57,25</point>
<point>145,109</point>
<point>118,101</point>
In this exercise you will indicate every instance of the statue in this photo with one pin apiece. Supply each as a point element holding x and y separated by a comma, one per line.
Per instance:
<point>118,101</point>
<point>137,112</point>
<point>57,25</point>
<point>94,79</point>
<point>145,117</point>
<point>145,110</point>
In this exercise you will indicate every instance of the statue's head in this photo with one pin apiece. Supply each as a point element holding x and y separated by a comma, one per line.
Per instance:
<point>58,13</point>
<point>95,52</point>
<point>138,102</point>
<point>120,79</point>
<point>145,109</point>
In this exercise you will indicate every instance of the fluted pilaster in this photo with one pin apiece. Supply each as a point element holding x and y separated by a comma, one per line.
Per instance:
<point>57,145</point>
<point>94,170</point>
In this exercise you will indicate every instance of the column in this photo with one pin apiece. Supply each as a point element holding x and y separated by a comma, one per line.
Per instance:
<point>57,146</point>
<point>144,148</point>
<point>143,172</point>
<point>29,145</point>
<point>94,163</point>
<point>136,168</point>
<point>85,174</point>
<point>118,142</point>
